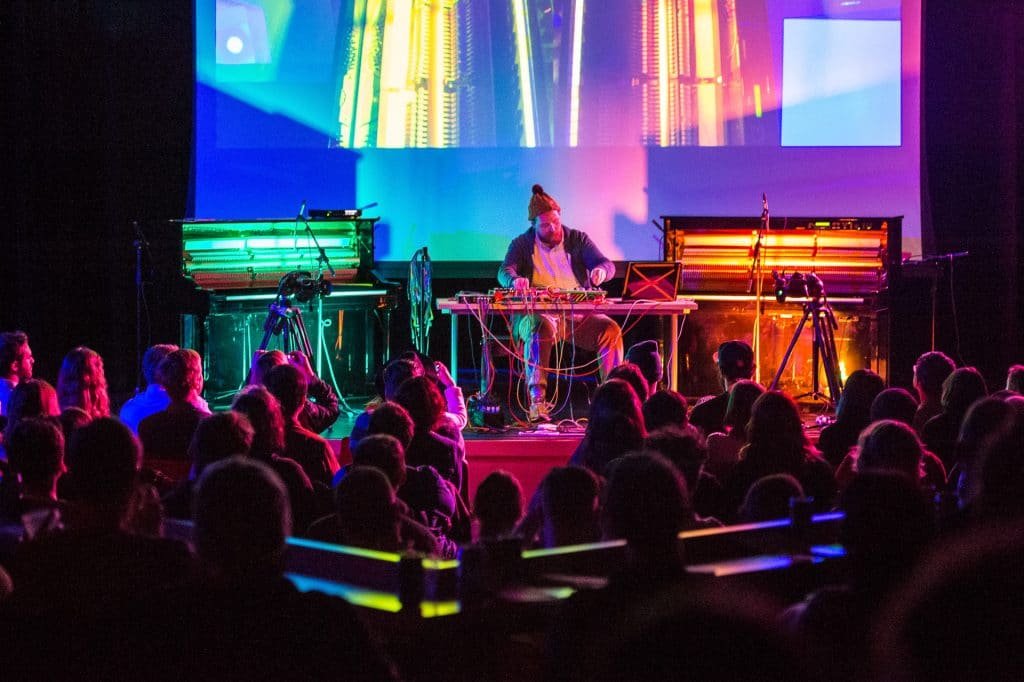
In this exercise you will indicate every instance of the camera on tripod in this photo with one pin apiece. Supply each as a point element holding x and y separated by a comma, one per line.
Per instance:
<point>798,286</point>
<point>303,286</point>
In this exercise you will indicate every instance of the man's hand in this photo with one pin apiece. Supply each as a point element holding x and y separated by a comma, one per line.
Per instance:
<point>597,276</point>
<point>520,284</point>
<point>299,359</point>
<point>443,374</point>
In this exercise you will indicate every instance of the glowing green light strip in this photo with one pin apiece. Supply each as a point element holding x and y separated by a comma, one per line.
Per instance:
<point>525,84</point>
<point>571,549</point>
<point>371,599</point>
<point>574,88</point>
<point>333,294</point>
<point>440,565</point>
<point>342,549</point>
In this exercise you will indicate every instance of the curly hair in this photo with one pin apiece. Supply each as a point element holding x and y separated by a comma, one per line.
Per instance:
<point>83,383</point>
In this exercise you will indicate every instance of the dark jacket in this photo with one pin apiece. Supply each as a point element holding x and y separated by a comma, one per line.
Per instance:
<point>583,257</point>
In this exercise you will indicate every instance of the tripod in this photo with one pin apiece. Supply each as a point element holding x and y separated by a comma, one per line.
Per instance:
<point>823,350</point>
<point>286,321</point>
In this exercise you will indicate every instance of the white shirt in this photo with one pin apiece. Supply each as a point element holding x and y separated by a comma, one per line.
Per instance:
<point>551,267</point>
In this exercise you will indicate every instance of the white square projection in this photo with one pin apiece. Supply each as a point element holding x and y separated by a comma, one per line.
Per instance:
<point>840,83</point>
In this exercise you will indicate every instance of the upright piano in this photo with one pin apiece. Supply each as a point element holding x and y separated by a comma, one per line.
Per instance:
<point>239,264</point>
<point>857,259</point>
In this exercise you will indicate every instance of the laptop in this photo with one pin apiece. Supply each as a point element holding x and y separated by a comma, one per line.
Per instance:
<point>652,281</point>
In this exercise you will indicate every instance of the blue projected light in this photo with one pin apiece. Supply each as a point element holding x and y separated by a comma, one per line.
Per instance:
<point>840,83</point>
<point>442,115</point>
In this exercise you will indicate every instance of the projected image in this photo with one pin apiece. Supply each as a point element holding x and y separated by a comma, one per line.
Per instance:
<point>566,73</point>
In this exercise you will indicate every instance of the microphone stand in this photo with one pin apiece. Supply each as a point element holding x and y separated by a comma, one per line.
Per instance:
<point>755,284</point>
<point>140,300</point>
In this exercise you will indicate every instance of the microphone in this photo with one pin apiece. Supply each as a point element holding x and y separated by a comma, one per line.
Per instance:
<point>764,203</point>
<point>302,210</point>
<point>372,204</point>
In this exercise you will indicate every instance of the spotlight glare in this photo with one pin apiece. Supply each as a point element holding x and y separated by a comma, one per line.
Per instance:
<point>234,45</point>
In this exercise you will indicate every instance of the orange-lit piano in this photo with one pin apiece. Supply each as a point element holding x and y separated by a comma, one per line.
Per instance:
<point>856,258</point>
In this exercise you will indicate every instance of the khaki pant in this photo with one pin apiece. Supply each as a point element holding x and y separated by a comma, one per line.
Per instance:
<point>539,333</point>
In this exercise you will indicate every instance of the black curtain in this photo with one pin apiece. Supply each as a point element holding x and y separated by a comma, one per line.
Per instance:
<point>99,106</point>
<point>973,108</point>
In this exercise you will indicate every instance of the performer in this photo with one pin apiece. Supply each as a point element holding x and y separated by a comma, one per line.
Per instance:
<point>552,255</point>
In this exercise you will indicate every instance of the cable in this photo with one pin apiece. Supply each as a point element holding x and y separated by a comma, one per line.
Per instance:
<point>956,319</point>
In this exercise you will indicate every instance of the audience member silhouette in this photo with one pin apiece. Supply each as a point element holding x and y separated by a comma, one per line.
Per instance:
<point>287,383</point>
<point>631,374</point>
<point>616,427</point>
<point>958,615</point>
<point>308,502</point>
<point>930,372</point>
<point>853,414</point>
<point>1015,379</point>
<point>570,508</point>
<point>434,440</point>
<point>645,355</point>
<point>985,419</point>
<point>154,398</point>
<point>72,419</point>
<point>1000,474</point>
<point>367,514</point>
<point>30,399</point>
<point>498,505</point>
<point>35,453</point>
<point>427,504</point>
<point>321,408</point>
<point>886,445</point>
<point>894,403</point>
<point>392,419</point>
<point>888,524</point>
<point>735,362</point>
<point>777,444</point>
<point>769,499</point>
<point>166,434</point>
<point>724,446</point>
<point>16,364</point>
<point>960,390</point>
<point>687,451</point>
<point>217,437</point>
<point>83,383</point>
<point>81,587</point>
<point>241,618</point>
<point>665,408</point>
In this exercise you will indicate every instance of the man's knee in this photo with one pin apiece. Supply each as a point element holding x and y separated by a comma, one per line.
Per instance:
<point>537,325</point>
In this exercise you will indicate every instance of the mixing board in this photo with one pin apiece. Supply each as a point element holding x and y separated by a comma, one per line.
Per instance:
<point>535,295</point>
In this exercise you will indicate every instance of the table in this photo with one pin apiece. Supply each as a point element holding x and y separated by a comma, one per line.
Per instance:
<point>610,306</point>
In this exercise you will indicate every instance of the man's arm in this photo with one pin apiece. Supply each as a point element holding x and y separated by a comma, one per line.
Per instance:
<point>509,270</point>
<point>324,412</point>
<point>593,258</point>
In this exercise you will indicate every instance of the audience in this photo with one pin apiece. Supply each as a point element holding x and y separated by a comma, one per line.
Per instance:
<point>570,507</point>
<point>645,355</point>
<point>632,375</point>
<point>961,389</point>
<point>735,363</point>
<point>154,398</point>
<point>166,434</point>
<point>308,502</point>
<point>407,366</point>
<point>83,567</point>
<point>615,427</point>
<point>241,618</point>
<point>498,505</point>
<point>83,383</point>
<point>777,444</point>
<point>930,372</point>
<point>894,403</point>
<point>853,413</point>
<point>769,498</point>
<point>287,383</point>
<point>724,447</point>
<point>435,441</point>
<point>665,408</point>
<point>16,364</point>
<point>1015,379</point>
<point>687,451</point>
<point>322,406</point>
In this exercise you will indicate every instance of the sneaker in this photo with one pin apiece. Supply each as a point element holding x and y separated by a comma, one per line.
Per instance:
<point>539,411</point>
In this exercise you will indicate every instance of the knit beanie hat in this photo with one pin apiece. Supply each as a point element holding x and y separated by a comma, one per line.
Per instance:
<point>646,356</point>
<point>542,202</point>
